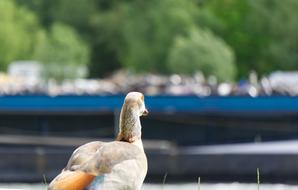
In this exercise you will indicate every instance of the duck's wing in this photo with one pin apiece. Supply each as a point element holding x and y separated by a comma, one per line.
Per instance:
<point>76,180</point>
<point>109,155</point>
<point>83,154</point>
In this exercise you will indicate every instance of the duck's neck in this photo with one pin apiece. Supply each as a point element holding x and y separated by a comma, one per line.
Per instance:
<point>130,125</point>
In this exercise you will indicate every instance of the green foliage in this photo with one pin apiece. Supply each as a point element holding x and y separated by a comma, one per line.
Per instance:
<point>262,33</point>
<point>236,29</point>
<point>106,44</point>
<point>73,12</point>
<point>202,51</point>
<point>148,38</point>
<point>138,34</point>
<point>280,23</point>
<point>62,52</point>
<point>44,9</point>
<point>144,35</point>
<point>91,19</point>
<point>18,32</point>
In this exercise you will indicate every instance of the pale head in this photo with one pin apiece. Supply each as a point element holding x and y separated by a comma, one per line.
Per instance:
<point>136,100</point>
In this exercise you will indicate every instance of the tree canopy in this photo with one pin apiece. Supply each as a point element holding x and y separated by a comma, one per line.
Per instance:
<point>19,29</point>
<point>202,51</point>
<point>62,52</point>
<point>154,36</point>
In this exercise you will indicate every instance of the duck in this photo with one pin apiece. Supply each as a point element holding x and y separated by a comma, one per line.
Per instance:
<point>116,165</point>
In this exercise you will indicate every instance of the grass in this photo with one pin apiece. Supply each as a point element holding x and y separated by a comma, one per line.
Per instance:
<point>165,177</point>
<point>258,179</point>
<point>45,181</point>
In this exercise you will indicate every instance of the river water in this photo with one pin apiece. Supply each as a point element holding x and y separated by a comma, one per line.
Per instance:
<point>189,186</point>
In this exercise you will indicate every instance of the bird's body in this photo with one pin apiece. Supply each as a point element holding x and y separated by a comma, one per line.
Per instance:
<point>121,164</point>
<point>129,167</point>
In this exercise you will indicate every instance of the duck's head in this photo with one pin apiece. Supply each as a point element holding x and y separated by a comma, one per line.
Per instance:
<point>136,100</point>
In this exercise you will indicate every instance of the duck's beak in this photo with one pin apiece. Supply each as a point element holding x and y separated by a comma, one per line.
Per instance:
<point>146,112</point>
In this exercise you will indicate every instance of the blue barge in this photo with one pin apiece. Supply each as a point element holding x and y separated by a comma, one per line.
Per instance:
<point>185,120</point>
<point>204,135</point>
<point>191,104</point>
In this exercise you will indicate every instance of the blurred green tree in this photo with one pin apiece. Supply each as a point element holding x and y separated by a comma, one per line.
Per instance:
<point>262,33</point>
<point>44,9</point>
<point>149,30</point>
<point>231,21</point>
<point>140,35</point>
<point>63,53</point>
<point>91,19</point>
<point>202,51</point>
<point>106,40</point>
<point>19,30</point>
<point>279,24</point>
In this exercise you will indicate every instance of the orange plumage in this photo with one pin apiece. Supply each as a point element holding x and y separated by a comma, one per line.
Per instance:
<point>72,180</point>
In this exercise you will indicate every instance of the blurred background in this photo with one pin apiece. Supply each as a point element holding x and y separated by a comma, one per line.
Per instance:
<point>220,79</point>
